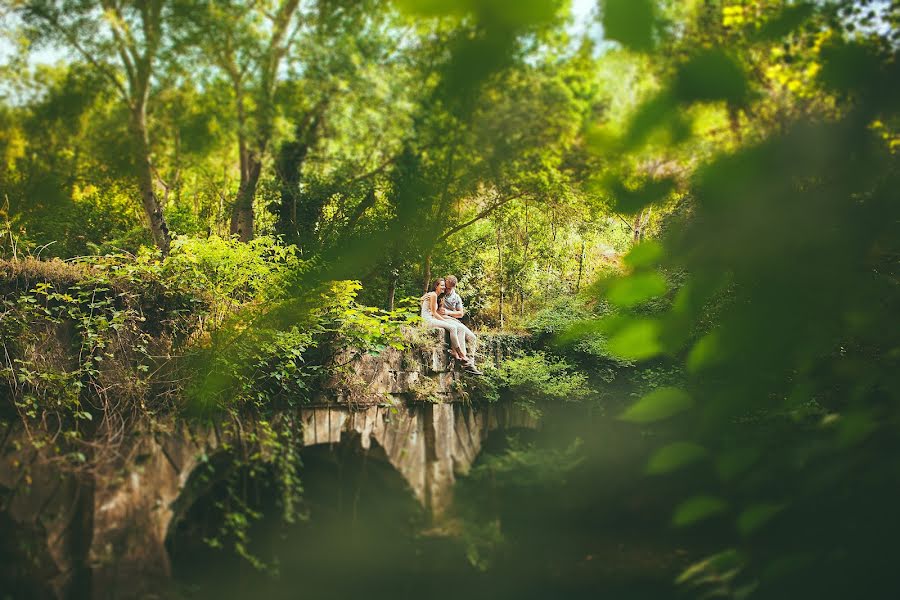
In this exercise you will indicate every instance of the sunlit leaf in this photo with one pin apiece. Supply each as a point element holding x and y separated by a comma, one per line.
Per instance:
<point>645,254</point>
<point>519,14</point>
<point>697,509</point>
<point>637,288</point>
<point>756,516</point>
<point>727,560</point>
<point>433,8</point>
<point>637,340</point>
<point>659,404</point>
<point>675,456</point>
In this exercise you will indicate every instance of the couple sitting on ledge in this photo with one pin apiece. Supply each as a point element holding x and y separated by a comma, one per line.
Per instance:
<point>441,309</point>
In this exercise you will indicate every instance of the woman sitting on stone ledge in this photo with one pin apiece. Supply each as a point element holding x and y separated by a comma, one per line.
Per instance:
<point>434,319</point>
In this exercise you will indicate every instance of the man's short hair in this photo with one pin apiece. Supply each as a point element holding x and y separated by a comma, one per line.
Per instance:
<point>450,281</point>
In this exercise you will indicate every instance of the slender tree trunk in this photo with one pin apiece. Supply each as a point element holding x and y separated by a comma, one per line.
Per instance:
<point>392,288</point>
<point>637,228</point>
<point>580,267</point>
<point>426,271</point>
<point>144,165</point>
<point>242,213</point>
<point>500,275</point>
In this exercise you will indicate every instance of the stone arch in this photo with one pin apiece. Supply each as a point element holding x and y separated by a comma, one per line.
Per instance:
<point>429,444</point>
<point>128,512</point>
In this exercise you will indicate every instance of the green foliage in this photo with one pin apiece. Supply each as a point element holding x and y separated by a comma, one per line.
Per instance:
<point>756,140</point>
<point>230,272</point>
<point>532,378</point>
<point>675,456</point>
<point>630,22</point>
<point>783,301</point>
<point>718,575</point>
<point>80,345</point>
<point>520,470</point>
<point>524,466</point>
<point>698,508</point>
<point>659,404</point>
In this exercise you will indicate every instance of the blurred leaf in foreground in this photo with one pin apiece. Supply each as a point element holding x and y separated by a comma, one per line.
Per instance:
<point>629,22</point>
<point>675,456</point>
<point>659,404</point>
<point>697,509</point>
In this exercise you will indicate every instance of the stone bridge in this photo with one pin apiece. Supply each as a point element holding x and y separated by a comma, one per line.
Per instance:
<point>102,534</point>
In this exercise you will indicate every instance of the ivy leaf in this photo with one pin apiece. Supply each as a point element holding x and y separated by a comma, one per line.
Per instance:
<point>675,456</point>
<point>657,405</point>
<point>697,509</point>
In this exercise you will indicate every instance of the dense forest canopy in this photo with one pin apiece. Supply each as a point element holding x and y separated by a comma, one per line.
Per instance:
<point>705,190</point>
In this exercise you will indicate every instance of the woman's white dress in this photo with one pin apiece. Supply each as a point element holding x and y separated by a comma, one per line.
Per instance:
<point>457,337</point>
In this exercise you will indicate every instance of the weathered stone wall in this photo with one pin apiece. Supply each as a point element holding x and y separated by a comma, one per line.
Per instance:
<point>103,533</point>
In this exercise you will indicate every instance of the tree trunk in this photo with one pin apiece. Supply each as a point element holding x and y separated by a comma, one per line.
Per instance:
<point>500,275</point>
<point>242,213</point>
<point>144,164</point>
<point>426,270</point>
<point>638,227</point>
<point>392,289</point>
<point>580,267</point>
<point>297,223</point>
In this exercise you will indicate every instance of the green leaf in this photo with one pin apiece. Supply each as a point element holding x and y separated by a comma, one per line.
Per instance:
<point>631,201</point>
<point>675,456</point>
<point>756,516</point>
<point>705,353</point>
<point>657,405</point>
<point>732,463</point>
<point>789,19</point>
<point>726,561</point>
<point>636,289</point>
<point>698,508</point>
<point>854,428</point>
<point>629,22</point>
<point>637,340</point>
<point>645,254</point>
<point>710,76</point>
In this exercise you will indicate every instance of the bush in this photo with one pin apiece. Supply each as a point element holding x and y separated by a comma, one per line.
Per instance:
<point>532,378</point>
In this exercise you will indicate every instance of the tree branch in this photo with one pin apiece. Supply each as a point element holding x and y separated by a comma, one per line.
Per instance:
<point>478,217</point>
<point>72,40</point>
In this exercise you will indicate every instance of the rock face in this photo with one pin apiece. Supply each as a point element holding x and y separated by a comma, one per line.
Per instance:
<point>102,534</point>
